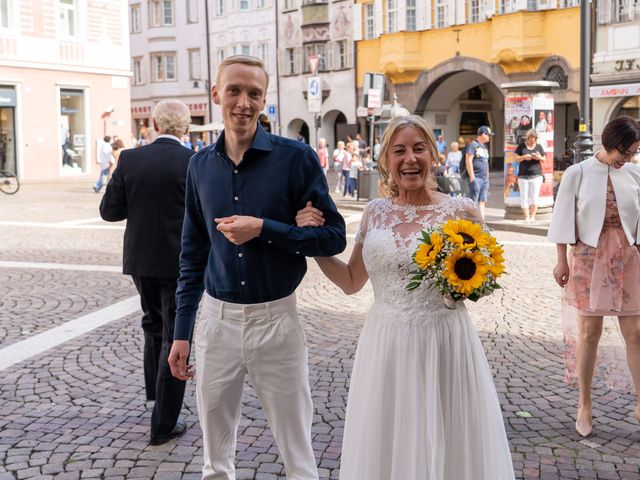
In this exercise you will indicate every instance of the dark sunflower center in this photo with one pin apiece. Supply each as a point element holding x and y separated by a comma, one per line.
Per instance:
<point>464,268</point>
<point>467,238</point>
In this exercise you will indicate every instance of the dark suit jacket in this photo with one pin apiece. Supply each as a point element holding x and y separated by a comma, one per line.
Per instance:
<point>147,188</point>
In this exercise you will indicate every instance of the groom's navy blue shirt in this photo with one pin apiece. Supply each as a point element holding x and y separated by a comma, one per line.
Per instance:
<point>275,179</point>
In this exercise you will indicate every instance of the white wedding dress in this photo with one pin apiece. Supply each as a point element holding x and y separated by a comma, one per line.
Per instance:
<point>422,403</point>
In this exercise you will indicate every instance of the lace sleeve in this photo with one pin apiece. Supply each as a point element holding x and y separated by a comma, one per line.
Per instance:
<point>364,226</point>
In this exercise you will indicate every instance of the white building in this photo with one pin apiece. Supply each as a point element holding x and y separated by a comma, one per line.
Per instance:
<point>64,84</point>
<point>615,79</point>
<point>324,29</point>
<point>246,27</point>
<point>168,58</point>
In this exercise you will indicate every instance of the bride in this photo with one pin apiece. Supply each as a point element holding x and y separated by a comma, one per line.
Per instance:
<point>422,404</point>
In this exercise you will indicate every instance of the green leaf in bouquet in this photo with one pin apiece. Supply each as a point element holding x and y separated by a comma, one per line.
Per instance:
<point>412,286</point>
<point>426,238</point>
<point>417,277</point>
<point>474,297</point>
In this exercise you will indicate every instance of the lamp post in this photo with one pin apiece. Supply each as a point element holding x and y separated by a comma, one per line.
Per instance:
<point>584,144</point>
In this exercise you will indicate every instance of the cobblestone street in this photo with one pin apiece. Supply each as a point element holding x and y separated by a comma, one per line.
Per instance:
<point>72,402</point>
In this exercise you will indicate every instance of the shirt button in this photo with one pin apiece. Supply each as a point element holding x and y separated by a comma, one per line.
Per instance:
<point>240,255</point>
<point>297,253</point>
<point>235,171</point>
<point>268,241</point>
<point>242,283</point>
<point>236,198</point>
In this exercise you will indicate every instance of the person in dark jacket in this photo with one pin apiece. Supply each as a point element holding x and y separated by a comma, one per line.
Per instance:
<point>148,190</point>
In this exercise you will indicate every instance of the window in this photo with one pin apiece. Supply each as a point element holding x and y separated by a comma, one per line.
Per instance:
<point>163,67</point>
<point>369,21</point>
<point>474,11</point>
<point>137,71</point>
<point>290,4</point>
<point>72,130</point>
<point>195,72</point>
<point>392,16</point>
<point>192,11</point>
<point>242,49</point>
<point>244,4</point>
<point>220,56</point>
<point>5,14</point>
<point>68,18</point>
<point>319,49</point>
<point>161,13</point>
<point>342,55</point>
<point>441,13</point>
<point>411,15</point>
<point>569,3</point>
<point>532,4</point>
<point>219,9</point>
<point>628,10</point>
<point>290,61</point>
<point>134,18</point>
<point>261,4</point>
<point>263,53</point>
<point>506,6</point>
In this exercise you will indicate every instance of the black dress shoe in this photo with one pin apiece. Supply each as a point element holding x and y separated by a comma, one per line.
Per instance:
<point>178,430</point>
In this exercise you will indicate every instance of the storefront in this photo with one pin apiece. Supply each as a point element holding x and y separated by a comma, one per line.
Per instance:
<point>611,101</point>
<point>8,129</point>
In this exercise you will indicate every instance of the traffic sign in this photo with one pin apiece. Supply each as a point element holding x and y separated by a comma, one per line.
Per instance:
<point>314,94</point>
<point>271,112</point>
<point>374,98</point>
<point>313,63</point>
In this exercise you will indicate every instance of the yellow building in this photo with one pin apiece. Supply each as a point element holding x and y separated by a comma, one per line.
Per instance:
<point>446,60</point>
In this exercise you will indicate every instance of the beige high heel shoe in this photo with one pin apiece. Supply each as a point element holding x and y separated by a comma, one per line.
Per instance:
<point>584,429</point>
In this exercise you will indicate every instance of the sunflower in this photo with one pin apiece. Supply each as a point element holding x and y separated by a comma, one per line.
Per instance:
<point>427,252</point>
<point>465,271</point>
<point>466,234</point>
<point>497,260</point>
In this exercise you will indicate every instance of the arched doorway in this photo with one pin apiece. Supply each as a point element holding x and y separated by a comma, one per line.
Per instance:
<point>298,126</point>
<point>334,127</point>
<point>629,106</point>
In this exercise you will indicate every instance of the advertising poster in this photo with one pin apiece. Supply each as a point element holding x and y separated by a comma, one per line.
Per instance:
<point>523,112</point>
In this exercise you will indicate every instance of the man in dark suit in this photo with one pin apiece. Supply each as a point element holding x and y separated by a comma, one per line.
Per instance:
<point>147,189</point>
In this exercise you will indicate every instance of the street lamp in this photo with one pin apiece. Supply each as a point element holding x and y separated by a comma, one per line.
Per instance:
<point>584,144</point>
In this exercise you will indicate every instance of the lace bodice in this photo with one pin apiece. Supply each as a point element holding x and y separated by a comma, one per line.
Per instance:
<point>389,237</point>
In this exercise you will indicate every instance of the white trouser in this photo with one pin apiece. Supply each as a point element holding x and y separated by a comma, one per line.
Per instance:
<point>529,190</point>
<point>266,341</point>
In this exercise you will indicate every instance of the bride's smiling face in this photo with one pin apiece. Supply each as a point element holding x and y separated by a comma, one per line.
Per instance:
<point>409,159</point>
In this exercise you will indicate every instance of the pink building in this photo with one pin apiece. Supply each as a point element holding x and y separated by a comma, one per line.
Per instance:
<point>64,84</point>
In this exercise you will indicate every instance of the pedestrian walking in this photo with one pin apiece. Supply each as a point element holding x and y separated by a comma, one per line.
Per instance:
<point>323,155</point>
<point>147,189</point>
<point>597,211</point>
<point>452,165</point>
<point>105,159</point>
<point>477,167</point>
<point>340,156</point>
<point>530,156</point>
<point>422,404</point>
<point>241,246</point>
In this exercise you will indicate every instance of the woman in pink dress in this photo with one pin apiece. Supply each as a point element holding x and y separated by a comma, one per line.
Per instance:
<point>597,211</point>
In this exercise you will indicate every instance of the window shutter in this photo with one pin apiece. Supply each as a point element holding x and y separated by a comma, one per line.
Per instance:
<point>297,60</point>
<point>350,53</point>
<point>357,20</point>
<point>333,55</point>
<point>402,15</point>
<point>604,12</point>
<point>377,18</point>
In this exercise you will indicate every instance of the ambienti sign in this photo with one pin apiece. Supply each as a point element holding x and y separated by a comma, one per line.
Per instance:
<point>625,90</point>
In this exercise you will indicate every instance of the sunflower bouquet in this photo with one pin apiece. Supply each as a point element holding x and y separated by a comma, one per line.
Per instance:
<point>460,258</point>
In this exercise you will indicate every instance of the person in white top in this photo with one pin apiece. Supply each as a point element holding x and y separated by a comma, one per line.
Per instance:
<point>356,164</point>
<point>106,159</point>
<point>452,165</point>
<point>597,211</point>
<point>339,155</point>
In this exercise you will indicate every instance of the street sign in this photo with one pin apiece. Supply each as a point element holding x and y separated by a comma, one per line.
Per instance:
<point>314,95</point>
<point>271,112</point>
<point>373,81</point>
<point>374,98</point>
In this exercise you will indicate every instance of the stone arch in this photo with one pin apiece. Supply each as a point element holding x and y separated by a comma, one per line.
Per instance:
<point>298,125</point>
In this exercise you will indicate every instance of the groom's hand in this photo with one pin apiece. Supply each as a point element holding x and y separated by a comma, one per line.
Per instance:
<point>239,229</point>
<point>309,217</point>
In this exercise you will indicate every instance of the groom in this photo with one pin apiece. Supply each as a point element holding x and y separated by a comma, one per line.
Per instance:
<point>239,245</point>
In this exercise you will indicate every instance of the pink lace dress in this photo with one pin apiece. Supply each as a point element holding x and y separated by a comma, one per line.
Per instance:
<point>604,281</point>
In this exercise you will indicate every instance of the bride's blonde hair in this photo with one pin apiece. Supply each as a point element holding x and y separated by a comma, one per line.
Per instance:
<point>387,186</point>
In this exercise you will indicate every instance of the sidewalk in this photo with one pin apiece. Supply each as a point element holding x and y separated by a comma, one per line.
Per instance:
<point>494,214</point>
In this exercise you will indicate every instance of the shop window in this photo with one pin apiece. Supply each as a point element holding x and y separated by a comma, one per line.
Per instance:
<point>8,133</point>
<point>630,107</point>
<point>68,18</point>
<point>72,130</point>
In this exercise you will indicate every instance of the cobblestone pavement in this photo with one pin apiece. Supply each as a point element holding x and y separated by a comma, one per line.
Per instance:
<point>77,410</point>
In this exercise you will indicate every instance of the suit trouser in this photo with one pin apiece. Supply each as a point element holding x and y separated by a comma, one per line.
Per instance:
<point>266,341</point>
<point>158,301</point>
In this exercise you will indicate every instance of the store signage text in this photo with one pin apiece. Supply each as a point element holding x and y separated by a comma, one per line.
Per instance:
<point>629,90</point>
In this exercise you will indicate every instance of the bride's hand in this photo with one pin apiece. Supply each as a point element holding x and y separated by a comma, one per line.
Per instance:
<point>309,217</point>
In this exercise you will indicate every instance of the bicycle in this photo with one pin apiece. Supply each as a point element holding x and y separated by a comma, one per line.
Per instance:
<point>9,183</point>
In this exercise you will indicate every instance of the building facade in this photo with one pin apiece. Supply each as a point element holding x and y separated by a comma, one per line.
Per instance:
<point>320,30</point>
<point>247,27</point>
<point>615,78</point>
<point>448,60</point>
<point>64,84</point>
<point>168,59</point>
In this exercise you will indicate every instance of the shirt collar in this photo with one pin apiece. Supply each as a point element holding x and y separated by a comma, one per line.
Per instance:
<point>260,141</point>
<point>172,137</point>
